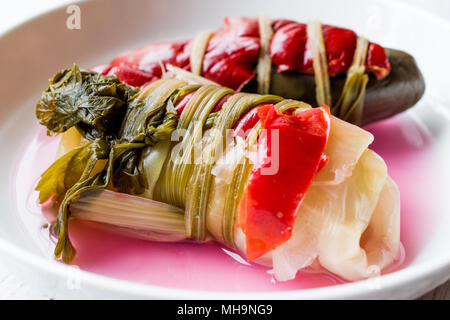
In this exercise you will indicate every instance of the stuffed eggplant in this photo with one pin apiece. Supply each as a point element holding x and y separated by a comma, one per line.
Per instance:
<point>361,81</point>
<point>282,183</point>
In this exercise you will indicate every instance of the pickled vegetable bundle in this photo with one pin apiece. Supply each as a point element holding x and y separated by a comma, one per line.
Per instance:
<point>181,159</point>
<point>361,81</point>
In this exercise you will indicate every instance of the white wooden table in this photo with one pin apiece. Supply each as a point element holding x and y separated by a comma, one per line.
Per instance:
<point>14,12</point>
<point>440,293</point>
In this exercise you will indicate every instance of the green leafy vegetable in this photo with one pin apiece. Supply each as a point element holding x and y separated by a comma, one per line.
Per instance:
<point>66,178</point>
<point>149,119</point>
<point>264,66</point>
<point>69,169</point>
<point>201,180</point>
<point>118,122</point>
<point>119,136</point>
<point>146,116</point>
<point>350,105</point>
<point>320,64</point>
<point>91,101</point>
<point>179,169</point>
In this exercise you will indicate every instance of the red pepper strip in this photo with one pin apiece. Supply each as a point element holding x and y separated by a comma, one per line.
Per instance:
<point>230,57</point>
<point>290,50</point>
<point>377,61</point>
<point>247,121</point>
<point>181,104</point>
<point>131,76</point>
<point>149,59</point>
<point>232,53</point>
<point>220,104</point>
<point>270,202</point>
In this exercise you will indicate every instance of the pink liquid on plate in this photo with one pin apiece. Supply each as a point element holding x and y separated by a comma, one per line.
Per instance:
<point>400,141</point>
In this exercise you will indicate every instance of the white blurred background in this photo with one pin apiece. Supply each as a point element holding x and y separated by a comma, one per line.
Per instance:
<point>13,12</point>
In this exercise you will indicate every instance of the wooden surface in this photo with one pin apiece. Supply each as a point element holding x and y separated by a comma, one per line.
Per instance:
<point>440,293</point>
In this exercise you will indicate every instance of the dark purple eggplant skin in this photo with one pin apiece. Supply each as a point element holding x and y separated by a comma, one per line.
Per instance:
<point>384,98</point>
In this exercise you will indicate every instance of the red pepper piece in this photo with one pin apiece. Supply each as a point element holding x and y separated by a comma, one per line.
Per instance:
<point>181,104</point>
<point>131,76</point>
<point>377,61</point>
<point>220,104</point>
<point>270,202</point>
<point>288,45</point>
<point>229,60</point>
<point>150,58</point>
<point>290,50</point>
<point>340,46</point>
<point>232,53</point>
<point>247,121</point>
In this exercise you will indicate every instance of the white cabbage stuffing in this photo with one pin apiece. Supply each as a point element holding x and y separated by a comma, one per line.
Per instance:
<point>349,221</point>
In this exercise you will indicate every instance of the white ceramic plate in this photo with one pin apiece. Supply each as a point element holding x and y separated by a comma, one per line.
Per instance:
<point>32,52</point>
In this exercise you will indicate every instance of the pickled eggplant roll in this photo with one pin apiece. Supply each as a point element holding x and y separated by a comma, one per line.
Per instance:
<point>283,184</point>
<point>361,81</point>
